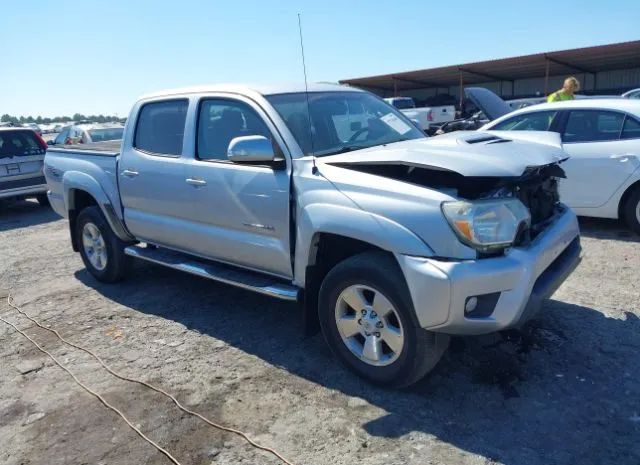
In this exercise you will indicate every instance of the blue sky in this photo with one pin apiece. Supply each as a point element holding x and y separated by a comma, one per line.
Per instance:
<point>67,56</point>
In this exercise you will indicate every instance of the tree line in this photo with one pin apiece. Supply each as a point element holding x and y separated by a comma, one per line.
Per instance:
<point>6,118</point>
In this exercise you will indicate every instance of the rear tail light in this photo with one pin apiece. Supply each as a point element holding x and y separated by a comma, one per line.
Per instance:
<point>430,115</point>
<point>41,141</point>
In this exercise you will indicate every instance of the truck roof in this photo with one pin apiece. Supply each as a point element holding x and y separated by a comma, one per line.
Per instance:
<point>262,89</point>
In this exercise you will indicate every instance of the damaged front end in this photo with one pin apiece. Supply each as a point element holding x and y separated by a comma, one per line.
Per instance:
<point>485,201</point>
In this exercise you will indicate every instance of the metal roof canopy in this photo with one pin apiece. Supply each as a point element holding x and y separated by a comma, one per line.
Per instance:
<point>591,60</point>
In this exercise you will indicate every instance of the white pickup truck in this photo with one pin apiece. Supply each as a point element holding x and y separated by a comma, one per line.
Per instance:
<point>391,241</point>
<point>429,119</point>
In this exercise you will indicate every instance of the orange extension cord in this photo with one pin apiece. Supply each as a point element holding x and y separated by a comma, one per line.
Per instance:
<point>132,380</point>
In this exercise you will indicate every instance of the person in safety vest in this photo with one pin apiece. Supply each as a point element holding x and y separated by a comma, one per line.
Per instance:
<point>570,86</point>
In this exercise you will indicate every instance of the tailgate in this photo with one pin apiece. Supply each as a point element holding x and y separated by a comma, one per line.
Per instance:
<point>443,114</point>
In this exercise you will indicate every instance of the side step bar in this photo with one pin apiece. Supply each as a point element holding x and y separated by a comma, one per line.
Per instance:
<point>227,274</point>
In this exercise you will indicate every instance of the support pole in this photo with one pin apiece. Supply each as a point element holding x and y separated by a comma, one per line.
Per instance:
<point>546,77</point>
<point>461,91</point>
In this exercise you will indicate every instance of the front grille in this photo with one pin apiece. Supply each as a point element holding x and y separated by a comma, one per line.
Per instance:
<point>5,185</point>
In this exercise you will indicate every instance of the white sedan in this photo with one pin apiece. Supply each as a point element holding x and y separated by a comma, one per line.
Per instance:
<point>602,137</point>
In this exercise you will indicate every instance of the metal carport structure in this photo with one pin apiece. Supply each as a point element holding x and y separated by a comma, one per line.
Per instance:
<point>590,62</point>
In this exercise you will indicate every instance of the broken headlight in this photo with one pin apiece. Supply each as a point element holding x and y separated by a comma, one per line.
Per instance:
<point>487,225</point>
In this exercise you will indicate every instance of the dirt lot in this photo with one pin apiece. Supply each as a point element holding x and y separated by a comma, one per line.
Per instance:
<point>565,391</point>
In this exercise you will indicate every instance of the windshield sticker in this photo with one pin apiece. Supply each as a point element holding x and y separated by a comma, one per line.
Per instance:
<point>395,123</point>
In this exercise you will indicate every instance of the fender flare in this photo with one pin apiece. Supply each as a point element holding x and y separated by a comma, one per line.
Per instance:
<point>355,224</point>
<point>75,180</point>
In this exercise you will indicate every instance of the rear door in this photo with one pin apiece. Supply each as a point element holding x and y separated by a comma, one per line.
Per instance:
<point>155,197</point>
<point>21,159</point>
<point>600,159</point>
<point>239,212</point>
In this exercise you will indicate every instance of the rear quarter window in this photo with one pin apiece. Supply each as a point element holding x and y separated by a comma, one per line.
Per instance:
<point>160,127</point>
<point>19,143</point>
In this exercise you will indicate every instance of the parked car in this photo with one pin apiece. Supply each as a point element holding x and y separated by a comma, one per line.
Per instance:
<point>87,133</point>
<point>34,127</point>
<point>390,240</point>
<point>21,160</point>
<point>635,94</point>
<point>602,139</point>
<point>429,119</point>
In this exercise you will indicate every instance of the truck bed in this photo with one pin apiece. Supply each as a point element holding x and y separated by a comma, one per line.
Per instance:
<point>109,148</point>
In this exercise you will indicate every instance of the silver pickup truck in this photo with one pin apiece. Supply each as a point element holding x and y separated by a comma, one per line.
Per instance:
<point>391,241</point>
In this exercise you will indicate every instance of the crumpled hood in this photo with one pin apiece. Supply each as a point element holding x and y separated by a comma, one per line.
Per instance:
<point>469,153</point>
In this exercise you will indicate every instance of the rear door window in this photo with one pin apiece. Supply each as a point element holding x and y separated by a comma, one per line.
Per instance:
<point>19,143</point>
<point>534,121</point>
<point>593,126</point>
<point>160,127</point>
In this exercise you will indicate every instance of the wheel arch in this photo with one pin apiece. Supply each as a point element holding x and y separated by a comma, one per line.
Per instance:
<point>625,196</point>
<point>81,191</point>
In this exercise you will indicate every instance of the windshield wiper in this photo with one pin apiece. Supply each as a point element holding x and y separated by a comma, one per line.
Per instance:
<point>343,149</point>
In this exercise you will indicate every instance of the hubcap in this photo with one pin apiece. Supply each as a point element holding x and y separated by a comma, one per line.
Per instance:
<point>638,212</point>
<point>94,246</point>
<point>369,325</point>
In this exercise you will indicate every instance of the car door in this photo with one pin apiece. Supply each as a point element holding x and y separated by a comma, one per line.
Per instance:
<point>151,177</point>
<point>600,161</point>
<point>240,212</point>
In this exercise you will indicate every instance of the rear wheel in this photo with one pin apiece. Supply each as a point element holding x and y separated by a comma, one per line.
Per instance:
<point>101,250</point>
<point>368,321</point>
<point>43,200</point>
<point>631,210</point>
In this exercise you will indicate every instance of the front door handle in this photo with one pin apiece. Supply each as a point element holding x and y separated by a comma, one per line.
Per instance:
<point>196,182</point>
<point>130,173</point>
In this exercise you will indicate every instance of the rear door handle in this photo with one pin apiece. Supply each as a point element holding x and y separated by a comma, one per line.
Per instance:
<point>130,173</point>
<point>196,182</point>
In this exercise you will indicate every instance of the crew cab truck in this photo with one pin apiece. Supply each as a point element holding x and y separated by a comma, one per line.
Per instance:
<point>391,241</point>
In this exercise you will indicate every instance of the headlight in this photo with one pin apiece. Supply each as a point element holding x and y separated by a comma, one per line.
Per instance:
<point>487,224</point>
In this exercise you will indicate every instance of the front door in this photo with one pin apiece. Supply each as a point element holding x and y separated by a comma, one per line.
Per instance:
<point>240,212</point>
<point>600,161</point>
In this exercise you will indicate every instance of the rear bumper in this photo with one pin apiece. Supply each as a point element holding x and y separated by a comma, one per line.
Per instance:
<point>511,287</point>
<point>24,191</point>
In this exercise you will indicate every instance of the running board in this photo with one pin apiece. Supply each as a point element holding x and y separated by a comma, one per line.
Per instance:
<point>246,279</point>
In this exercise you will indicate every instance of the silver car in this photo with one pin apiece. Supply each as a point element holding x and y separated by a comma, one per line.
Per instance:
<point>21,157</point>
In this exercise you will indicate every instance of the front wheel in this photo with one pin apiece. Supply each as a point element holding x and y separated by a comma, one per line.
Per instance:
<point>632,210</point>
<point>101,250</point>
<point>368,320</point>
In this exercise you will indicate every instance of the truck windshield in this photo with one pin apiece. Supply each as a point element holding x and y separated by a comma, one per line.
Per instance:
<point>341,121</point>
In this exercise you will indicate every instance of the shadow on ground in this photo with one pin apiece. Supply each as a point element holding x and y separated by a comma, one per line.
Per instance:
<point>23,214</point>
<point>564,390</point>
<point>603,228</point>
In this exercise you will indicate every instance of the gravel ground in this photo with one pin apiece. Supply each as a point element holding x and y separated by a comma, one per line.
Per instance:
<point>563,391</point>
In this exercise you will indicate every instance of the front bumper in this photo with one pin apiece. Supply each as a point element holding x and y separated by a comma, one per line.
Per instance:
<point>523,278</point>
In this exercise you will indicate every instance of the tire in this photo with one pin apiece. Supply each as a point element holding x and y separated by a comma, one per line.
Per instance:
<point>43,200</point>
<point>370,275</point>
<point>101,250</point>
<point>631,210</point>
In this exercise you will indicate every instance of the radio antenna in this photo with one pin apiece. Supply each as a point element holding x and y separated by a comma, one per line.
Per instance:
<point>306,92</point>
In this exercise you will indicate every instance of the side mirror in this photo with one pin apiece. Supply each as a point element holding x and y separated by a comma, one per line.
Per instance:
<point>250,149</point>
<point>50,142</point>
